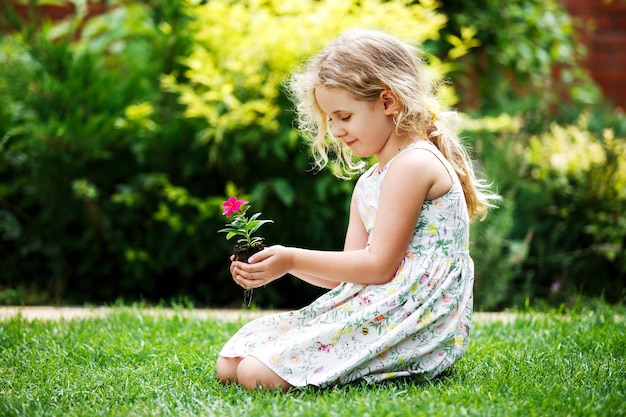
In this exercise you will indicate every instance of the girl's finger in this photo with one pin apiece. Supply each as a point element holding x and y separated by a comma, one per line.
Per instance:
<point>260,256</point>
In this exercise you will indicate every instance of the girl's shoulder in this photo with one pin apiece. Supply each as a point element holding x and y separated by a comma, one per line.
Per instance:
<point>422,158</point>
<point>421,168</point>
<point>411,164</point>
<point>432,149</point>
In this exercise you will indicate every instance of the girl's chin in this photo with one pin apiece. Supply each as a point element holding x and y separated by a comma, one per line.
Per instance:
<point>363,154</point>
<point>358,150</point>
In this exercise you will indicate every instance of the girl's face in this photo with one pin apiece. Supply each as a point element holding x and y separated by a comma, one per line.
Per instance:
<point>364,126</point>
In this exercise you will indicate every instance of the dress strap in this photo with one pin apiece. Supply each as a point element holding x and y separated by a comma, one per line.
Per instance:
<point>431,147</point>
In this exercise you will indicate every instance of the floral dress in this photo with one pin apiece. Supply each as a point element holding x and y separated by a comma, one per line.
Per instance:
<point>417,324</point>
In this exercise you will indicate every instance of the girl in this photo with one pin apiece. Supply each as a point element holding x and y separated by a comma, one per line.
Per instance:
<point>400,302</point>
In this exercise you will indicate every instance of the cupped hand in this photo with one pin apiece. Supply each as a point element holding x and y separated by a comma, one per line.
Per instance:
<point>262,268</point>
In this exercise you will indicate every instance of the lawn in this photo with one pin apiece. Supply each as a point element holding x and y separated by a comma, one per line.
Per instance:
<point>135,363</point>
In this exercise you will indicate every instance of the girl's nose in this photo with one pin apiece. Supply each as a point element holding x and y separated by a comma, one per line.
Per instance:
<point>338,132</point>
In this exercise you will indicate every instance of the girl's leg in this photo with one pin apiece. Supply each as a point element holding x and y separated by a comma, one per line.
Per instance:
<point>252,373</point>
<point>227,369</point>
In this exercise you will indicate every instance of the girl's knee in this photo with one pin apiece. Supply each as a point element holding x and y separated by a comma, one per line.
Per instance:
<point>252,374</point>
<point>227,369</point>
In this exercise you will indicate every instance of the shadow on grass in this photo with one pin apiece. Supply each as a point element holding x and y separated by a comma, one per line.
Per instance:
<point>394,384</point>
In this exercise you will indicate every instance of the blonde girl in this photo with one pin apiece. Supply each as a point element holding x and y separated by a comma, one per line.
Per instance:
<point>400,293</point>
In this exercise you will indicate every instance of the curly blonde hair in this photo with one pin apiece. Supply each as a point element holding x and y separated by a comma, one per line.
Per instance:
<point>366,63</point>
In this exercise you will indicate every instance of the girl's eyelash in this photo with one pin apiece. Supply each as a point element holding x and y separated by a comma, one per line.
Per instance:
<point>343,119</point>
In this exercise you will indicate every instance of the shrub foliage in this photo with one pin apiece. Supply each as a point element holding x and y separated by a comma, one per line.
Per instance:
<point>120,136</point>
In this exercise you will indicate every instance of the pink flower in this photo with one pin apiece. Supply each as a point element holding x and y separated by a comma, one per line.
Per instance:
<point>232,205</point>
<point>364,300</point>
<point>323,347</point>
<point>241,225</point>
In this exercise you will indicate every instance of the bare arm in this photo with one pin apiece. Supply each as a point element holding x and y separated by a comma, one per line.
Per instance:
<point>356,238</point>
<point>408,182</point>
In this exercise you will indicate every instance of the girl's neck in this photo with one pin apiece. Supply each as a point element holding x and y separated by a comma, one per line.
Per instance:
<point>394,147</point>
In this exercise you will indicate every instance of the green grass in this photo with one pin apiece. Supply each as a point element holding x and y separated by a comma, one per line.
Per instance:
<point>137,364</point>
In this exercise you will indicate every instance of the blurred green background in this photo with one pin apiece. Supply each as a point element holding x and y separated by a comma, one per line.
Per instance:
<point>125,124</point>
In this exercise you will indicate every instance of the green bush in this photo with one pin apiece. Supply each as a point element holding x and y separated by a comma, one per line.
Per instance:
<point>573,200</point>
<point>234,93</point>
<point>137,123</point>
<point>120,136</point>
<point>498,255</point>
<point>85,121</point>
<point>526,60</point>
<point>558,234</point>
<point>561,231</point>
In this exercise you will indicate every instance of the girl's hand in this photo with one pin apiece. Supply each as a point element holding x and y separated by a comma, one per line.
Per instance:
<point>264,267</point>
<point>233,273</point>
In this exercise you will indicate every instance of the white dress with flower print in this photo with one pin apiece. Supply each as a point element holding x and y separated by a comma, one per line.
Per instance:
<point>415,325</point>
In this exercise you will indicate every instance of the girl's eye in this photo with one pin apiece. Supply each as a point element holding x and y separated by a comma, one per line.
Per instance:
<point>342,118</point>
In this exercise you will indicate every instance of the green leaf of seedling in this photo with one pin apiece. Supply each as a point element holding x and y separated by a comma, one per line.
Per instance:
<point>258,224</point>
<point>255,216</point>
<point>232,232</point>
<point>253,225</point>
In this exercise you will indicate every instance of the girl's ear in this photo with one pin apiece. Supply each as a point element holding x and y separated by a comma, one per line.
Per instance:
<point>390,101</point>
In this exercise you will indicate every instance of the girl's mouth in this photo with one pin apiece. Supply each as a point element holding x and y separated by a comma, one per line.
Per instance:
<point>352,142</point>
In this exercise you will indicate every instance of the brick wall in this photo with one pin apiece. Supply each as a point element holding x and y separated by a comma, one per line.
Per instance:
<point>605,40</point>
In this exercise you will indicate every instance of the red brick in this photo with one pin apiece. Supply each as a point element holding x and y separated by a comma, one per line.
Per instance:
<point>612,75</point>
<point>603,22</point>
<point>616,7</point>
<point>619,22</point>
<point>620,62</point>
<point>577,7</point>
<point>606,43</point>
